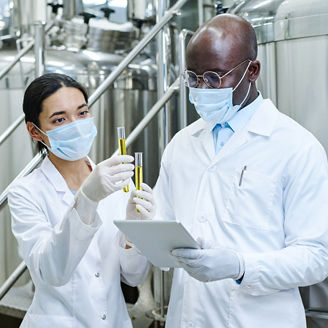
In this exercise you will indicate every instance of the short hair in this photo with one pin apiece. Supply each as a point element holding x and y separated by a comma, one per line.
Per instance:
<point>40,89</point>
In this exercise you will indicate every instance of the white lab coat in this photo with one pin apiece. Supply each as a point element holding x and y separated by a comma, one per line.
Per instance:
<point>76,268</point>
<point>277,219</point>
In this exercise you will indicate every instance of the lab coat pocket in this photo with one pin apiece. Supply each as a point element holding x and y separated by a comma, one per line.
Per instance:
<point>45,320</point>
<point>251,200</point>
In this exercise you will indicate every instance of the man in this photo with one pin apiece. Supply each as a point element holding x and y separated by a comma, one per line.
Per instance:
<point>251,184</point>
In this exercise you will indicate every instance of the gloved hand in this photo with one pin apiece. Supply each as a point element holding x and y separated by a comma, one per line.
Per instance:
<point>108,176</point>
<point>209,264</point>
<point>143,200</point>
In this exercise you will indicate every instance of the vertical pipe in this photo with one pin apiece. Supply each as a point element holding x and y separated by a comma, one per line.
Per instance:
<point>200,12</point>
<point>162,83</point>
<point>39,48</point>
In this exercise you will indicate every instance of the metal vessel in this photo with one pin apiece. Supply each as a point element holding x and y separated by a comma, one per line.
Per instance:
<point>292,38</point>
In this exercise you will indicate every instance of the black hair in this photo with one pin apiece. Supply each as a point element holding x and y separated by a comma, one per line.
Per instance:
<point>40,89</point>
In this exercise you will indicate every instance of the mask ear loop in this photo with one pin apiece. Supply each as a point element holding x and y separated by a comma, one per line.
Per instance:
<point>242,77</point>
<point>43,133</point>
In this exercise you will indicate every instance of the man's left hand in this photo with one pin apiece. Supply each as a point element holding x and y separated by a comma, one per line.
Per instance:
<point>210,264</point>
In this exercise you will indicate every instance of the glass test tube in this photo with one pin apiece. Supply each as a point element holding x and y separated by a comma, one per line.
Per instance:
<point>122,146</point>
<point>138,171</point>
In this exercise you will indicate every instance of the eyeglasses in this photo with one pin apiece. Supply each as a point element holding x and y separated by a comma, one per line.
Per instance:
<point>212,79</point>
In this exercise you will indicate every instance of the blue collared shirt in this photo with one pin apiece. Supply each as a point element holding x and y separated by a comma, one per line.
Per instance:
<point>223,132</point>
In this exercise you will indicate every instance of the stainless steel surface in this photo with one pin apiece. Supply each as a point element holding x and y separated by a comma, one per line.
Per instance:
<point>22,53</point>
<point>261,14</point>
<point>151,114</point>
<point>27,169</point>
<point>301,18</point>
<point>39,47</point>
<point>200,4</point>
<point>99,35</point>
<point>141,45</point>
<point>72,8</point>
<point>142,10</point>
<point>182,66</point>
<point>12,279</point>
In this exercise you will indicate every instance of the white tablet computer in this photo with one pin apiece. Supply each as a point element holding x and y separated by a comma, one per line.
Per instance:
<point>156,239</point>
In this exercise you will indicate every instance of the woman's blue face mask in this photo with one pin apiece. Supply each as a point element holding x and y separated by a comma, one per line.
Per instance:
<point>72,141</point>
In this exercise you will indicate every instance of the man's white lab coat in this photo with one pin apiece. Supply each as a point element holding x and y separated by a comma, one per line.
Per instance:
<point>76,268</point>
<point>276,216</point>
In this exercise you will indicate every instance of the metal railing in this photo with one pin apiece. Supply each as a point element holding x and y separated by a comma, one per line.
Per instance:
<point>38,44</point>
<point>182,64</point>
<point>93,98</point>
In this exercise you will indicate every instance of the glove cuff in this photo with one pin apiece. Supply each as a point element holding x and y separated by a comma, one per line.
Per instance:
<point>241,266</point>
<point>85,207</point>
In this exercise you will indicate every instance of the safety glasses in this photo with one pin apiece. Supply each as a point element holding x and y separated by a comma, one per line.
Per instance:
<point>212,79</point>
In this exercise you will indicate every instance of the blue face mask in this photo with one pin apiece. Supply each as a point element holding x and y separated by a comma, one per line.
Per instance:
<point>215,105</point>
<point>72,141</point>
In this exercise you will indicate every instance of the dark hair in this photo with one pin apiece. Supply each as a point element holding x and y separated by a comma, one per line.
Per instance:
<point>40,89</point>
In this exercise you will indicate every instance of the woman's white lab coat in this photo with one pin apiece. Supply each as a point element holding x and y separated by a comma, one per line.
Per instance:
<point>76,268</point>
<point>276,216</point>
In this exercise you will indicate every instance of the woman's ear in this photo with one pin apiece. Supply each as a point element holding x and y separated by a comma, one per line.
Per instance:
<point>33,131</point>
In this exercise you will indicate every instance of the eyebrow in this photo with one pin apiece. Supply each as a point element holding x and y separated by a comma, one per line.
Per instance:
<point>63,112</point>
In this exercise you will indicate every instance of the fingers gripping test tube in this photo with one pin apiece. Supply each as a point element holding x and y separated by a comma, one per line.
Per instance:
<point>122,146</point>
<point>138,171</point>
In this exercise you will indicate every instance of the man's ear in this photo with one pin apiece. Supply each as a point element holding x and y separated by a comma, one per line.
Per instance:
<point>254,70</point>
<point>33,131</point>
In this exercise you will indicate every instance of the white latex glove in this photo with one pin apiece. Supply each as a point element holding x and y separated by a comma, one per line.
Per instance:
<point>143,200</point>
<point>209,264</point>
<point>108,176</point>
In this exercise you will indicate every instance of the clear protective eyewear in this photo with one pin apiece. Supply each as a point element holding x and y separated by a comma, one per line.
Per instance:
<point>212,79</point>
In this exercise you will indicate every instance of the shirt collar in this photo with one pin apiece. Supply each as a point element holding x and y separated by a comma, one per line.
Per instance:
<point>243,116</point>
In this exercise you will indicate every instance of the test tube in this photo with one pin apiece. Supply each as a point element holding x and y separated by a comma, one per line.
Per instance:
<point>122,146</point>
<point>138,171</point>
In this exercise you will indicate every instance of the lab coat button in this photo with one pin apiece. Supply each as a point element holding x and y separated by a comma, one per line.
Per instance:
<point>103,317</point>
<point>97,274</point>
<point>202,218</point>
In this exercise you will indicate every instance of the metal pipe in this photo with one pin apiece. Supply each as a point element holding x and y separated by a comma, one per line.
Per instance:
<point>182,65</point>
<point>11,128</point>
<point>39,48</point>
<point>200,12</point>
<point>127,60</point>
<point>22,53</point>
<point>12,279</point>
<point>150,115</point>
<point>316,314</point>
<point>26,170</point>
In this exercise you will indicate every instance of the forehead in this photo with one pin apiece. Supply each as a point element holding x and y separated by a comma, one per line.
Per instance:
<point>212,49</point>
<point>65,98</point>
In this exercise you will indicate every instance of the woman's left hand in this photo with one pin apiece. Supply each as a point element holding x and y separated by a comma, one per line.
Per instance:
<point>143,200</point>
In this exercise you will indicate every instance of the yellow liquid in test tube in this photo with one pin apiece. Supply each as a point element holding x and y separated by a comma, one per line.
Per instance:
<point>122,147</point>
<point>138,172</point>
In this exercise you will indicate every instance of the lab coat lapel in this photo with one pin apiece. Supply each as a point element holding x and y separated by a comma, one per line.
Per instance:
<point>57,180</point>
<point>202,133</point>
<point>262,123</point>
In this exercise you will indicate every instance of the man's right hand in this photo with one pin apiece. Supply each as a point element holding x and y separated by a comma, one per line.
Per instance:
<point>108,176</point>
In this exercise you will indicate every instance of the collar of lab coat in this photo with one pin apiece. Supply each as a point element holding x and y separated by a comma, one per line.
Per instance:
<point>57,180</point>
<point>262,122</point>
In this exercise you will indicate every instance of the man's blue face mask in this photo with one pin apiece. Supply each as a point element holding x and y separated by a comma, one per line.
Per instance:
<point>215,105</point>
<point>72,141</point>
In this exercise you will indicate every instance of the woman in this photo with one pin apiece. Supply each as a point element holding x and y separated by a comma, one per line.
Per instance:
<point>62,215</point>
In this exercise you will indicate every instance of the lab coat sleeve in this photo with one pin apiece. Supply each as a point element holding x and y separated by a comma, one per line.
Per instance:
<point>51,253</point>
<point>304,260</point>
<point>134,266</point>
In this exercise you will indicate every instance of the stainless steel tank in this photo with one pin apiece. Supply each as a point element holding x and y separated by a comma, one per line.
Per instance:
<point>293,43</point>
